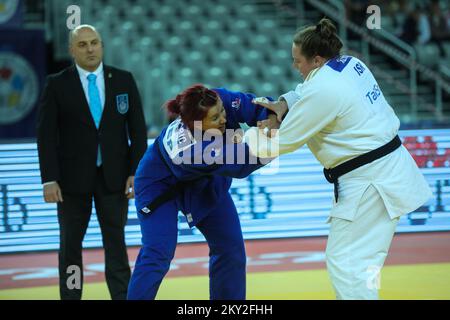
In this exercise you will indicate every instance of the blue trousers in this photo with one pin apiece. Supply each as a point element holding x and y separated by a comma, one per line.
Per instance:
<point>223,233</point>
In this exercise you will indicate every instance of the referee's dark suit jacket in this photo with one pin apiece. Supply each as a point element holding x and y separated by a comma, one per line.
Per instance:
<point>67,144</point>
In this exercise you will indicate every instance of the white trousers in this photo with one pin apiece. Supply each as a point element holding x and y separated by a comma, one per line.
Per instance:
<point>356,249</point>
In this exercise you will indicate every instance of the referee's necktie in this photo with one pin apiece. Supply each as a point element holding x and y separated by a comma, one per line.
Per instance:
<point>95,105</point>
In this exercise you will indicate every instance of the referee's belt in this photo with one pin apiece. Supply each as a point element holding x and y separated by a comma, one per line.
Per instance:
<point>332,175</point>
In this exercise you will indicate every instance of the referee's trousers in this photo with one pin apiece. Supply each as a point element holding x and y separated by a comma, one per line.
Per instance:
<point>73,216</point>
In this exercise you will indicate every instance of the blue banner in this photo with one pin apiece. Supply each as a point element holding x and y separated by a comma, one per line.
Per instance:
<point>22,76</point>
<point>293,201</point>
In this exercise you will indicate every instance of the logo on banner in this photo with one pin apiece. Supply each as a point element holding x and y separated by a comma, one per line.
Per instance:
<point>19,88</point>
<point>7,9</point>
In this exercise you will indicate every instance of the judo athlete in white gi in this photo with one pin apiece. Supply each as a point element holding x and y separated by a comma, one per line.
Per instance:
<point>169,179</point>
<point>341,114</point>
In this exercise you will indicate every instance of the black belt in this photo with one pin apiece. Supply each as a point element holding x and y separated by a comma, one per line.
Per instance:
<point>333,174</point>
<point>162,198</point>
<point>175,190</point>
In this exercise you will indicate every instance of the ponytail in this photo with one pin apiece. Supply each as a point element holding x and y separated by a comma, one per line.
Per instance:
<point>319,40</point>
<point>173,107</point>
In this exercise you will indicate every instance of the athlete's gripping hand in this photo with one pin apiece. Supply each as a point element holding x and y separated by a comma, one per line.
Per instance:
<point>270,125</point>
<point>279,107</point>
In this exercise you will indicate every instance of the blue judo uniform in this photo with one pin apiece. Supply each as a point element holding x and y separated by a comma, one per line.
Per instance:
<point>204,200</point>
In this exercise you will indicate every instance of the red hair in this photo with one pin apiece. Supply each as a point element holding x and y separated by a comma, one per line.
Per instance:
<point>192,104</point>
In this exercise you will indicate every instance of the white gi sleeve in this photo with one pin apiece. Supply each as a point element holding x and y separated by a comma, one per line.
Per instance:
<point>291,97</point>
<point>317,108</point>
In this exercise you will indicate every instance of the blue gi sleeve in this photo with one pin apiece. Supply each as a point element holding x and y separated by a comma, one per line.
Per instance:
<point>239,107</point>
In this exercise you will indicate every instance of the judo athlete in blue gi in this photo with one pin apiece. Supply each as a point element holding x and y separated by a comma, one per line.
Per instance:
<point>170,178</point>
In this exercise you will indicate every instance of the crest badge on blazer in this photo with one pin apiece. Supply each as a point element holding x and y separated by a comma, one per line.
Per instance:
<point>122,103</point>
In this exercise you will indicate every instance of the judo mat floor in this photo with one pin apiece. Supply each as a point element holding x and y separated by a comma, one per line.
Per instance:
<point>418,267</point>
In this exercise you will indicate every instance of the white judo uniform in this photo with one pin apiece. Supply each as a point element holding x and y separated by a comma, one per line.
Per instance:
<point>340,112</point>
